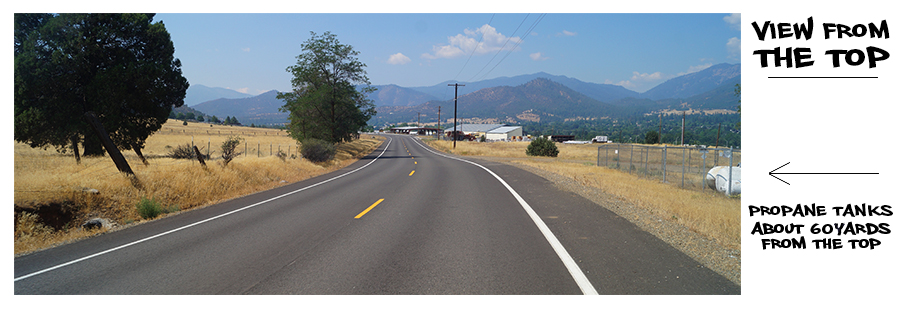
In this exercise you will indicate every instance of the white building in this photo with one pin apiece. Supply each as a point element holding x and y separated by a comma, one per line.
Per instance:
<point>474,129</point>
<point>503,133</point>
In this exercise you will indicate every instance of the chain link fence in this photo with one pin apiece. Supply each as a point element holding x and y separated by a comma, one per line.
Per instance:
<point>686,166</point>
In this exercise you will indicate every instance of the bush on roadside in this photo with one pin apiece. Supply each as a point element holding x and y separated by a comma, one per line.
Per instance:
<point>317,151</point>
<point>149,208</point>
<point>541,146</point>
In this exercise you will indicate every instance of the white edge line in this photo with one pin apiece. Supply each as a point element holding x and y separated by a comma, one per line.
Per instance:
<point>579,277</point>
<point>199,222</point>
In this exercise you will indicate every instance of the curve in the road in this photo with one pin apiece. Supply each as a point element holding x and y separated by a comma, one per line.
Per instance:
<point>583,283</point>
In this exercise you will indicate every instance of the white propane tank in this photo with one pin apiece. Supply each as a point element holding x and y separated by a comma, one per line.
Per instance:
<point>717,178</point>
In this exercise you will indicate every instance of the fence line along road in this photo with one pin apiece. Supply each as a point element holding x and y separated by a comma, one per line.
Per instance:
<point>683,165</point>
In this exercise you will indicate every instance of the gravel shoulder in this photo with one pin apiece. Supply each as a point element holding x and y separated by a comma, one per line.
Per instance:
<point>722,260</point>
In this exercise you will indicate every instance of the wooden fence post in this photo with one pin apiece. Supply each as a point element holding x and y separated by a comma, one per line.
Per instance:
<point>199,156</point>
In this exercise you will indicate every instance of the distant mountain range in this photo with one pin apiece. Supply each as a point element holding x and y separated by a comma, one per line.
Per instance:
<point>545,97</point>
<point>535,97</point>
<point>678,87</point>
<point>197,94</point>
<point>258,110</point>
<point>696,83</point>
<point>602,92</point>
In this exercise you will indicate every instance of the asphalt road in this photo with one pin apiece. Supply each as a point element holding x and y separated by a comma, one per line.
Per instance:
<point>403,220</point>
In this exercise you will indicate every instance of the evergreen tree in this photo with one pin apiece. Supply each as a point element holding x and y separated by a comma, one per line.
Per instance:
<point>119,66</point>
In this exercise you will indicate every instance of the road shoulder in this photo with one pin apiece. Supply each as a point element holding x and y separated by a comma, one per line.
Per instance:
<point>724,261</point>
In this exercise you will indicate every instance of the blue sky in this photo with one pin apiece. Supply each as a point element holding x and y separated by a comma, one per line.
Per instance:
<point>249,52</point>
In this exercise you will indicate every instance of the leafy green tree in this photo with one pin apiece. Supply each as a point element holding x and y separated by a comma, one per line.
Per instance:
<point>652,137</point>
<point>325,103</point>
<point>119,66</point>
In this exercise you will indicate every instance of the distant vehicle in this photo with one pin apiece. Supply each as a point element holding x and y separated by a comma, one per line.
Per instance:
<point>600,139</point>
<point>561,138</point>
<point>460,136</point>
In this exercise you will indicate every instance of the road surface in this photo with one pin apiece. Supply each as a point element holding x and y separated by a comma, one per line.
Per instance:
<point>403,220</point>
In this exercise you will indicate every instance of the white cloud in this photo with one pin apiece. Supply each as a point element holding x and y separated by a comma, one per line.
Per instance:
<point>625,83</point>
<point>640,82</point>
<point>246,49</point>
<point>734,20</point>
<point>464,44</point>
<point>734,48</point>
<point>398,58</point>
<point>247,90</point>
<point>646,77</point>
<point>566,33</point>
<point>537,56</point>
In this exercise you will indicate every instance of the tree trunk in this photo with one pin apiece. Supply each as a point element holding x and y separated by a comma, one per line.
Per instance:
<point>137,150</point>
<point>75,149</point>
<point>93,146</point>
<point>114,152</point>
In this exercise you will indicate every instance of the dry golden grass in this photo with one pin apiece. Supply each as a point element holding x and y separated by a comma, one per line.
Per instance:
<point>711,214</point>
<point>708,213</point>
<point>643,160</point>
<point>48,181</point>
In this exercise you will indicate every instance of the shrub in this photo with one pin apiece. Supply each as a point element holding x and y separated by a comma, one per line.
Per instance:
<point>149,208</point>
<point>184,151</point>
<point>317,151</point>
<point>228,149</point>
<point>541,146</point>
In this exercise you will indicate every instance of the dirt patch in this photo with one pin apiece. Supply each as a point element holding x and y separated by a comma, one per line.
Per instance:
<point>58,216</point>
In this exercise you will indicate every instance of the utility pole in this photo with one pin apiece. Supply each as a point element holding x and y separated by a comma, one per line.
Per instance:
<point>419,119</point>
<point>439,123</point>
<point>717,134</point>
<point>455,95</point>
<point>682,127</point>
<point>660,129</point>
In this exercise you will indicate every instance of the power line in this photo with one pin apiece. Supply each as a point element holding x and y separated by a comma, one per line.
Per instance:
<point>528,32</point>
<point>473,50</point>
<point>501,48</point>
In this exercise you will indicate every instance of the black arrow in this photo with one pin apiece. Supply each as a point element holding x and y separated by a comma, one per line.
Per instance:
<point>772,173</point>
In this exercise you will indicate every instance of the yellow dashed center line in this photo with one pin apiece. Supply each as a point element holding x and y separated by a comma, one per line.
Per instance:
<point>410,173</point>
<point>370,208</point>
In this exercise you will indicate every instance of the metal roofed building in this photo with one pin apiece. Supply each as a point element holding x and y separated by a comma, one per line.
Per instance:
<point>504,133</point>
<point>474,129</point>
